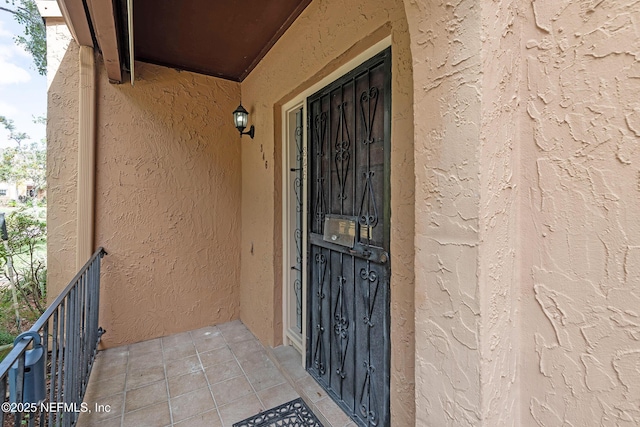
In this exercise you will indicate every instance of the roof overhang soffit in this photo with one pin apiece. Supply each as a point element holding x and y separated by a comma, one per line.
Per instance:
<point>94,24</point>
<point>211,38</point>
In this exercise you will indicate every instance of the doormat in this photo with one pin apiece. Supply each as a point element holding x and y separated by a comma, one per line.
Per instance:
<point>291,414</point>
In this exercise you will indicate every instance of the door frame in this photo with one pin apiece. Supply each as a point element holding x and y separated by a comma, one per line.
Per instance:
<point>288,198</point>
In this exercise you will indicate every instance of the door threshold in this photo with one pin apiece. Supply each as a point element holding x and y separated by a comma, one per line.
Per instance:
<point>289,361</point>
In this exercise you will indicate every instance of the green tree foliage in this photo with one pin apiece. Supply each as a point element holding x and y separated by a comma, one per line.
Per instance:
<point>27,235</point>
<point>24,163</point>
<point>34,41</point>
<point>18,137</point>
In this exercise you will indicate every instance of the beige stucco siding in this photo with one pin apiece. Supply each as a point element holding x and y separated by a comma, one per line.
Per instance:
<point>446,51</point>
<point>499,150</point>
<point>168,203</point>
<point>326,35</point>
<point>526,284</point>
<point>62,156</point>
<point>580,203</point>
<point>466,111</point>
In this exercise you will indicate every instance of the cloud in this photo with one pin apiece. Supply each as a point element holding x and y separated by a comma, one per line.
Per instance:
<point>4,32</point>
<point>7,109</point>
<point>14,59</point>
<point>10,72</point>
<point>20,51</point>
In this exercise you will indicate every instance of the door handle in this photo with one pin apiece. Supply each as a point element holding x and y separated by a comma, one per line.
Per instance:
<point>379,257</point>
<point>370,253</point>
<point>362,254</point>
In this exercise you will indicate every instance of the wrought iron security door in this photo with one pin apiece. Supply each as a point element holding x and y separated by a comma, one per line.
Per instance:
<point>348,343</point>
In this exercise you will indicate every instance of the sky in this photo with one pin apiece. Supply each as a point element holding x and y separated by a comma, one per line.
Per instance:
<point>23,92</point>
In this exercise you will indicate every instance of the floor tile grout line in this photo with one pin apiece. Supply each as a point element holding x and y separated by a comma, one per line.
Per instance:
<point>226,379</point>
<point>166,381</point>
<point>209,384</point>
<point>301,392</point>
<point>206,378</point>
<point>239,356</point>
<point>166,378</point>
<point>262,405</point>
<point>96,399</point>
<point>124,391</point>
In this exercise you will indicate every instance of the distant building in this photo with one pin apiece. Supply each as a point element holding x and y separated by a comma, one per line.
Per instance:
<point>8,191</point>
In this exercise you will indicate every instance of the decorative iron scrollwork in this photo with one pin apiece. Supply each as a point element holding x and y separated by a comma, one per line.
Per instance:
<point>321,205</point>
<point>341,327</point>
<point>298,237</point>
<point>297,289</point>
<point>369,292</point>
<point>368,401</point>
<point>320,130</point>
<point>348,329</point>
<point>368,112</point>
<point>297,189</point>
<point>368,217</point>
<point>343,155</point>
<point>318,355</point>
<point>299,139</point>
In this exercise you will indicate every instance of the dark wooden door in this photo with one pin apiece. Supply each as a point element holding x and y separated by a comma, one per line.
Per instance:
<point>348,348</point>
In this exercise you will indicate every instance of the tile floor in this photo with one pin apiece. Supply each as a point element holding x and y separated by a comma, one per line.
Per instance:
<point>214,377</point>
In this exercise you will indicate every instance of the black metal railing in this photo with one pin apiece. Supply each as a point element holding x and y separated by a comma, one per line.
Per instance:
<point>70,334</point>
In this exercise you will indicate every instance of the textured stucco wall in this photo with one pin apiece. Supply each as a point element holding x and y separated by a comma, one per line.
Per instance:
<point>62,156</point>
<point>499,239</point>
<point>581,234</point>
<point>466,82</point>
<point>527,128</point>
<point>168,203</point>
<point>322,39</point>
<point>446,46</point>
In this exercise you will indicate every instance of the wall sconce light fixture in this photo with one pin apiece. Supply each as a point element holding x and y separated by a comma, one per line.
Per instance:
<point>240,119</point>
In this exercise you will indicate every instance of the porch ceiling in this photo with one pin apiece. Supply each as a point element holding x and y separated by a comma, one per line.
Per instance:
<point>225,39</point>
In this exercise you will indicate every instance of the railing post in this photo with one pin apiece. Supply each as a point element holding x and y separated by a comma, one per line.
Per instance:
<point>54,359</point>
<point>19,386</point>
<point>3,393</point>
